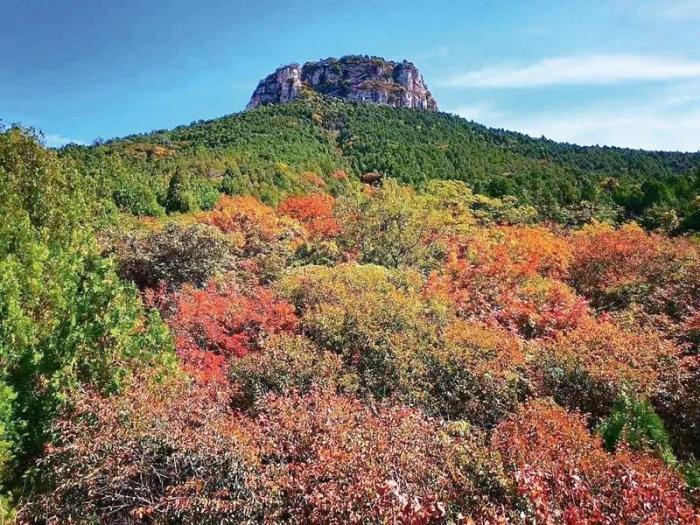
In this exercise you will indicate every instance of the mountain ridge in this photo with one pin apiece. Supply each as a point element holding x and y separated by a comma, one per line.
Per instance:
<point>266,152</point>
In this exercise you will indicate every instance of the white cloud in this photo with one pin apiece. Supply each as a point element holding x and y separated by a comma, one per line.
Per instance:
<point>628,127</point>
<point>664,124</point>
<point>56,141</point>
<point>577,70</point>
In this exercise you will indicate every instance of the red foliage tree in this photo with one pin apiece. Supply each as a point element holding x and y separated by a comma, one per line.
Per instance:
<point>174,452</point>
<point>541,307</point>
<point>214,324</point>
<point>314,211</point>
<point>336,460</point>
<point>567,477</point>
<point>678,403</point>
<point>605,259</point>
<point>648,278</point>
<point>162,452</point>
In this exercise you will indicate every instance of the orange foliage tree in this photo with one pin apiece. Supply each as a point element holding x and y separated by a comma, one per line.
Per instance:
<point>508,275</point>
<point>535,248</point>
<point>607,260</point>
<point>255,226</point>
<point>541,307</point>
<point>591,366</point>
<point>314,211</point>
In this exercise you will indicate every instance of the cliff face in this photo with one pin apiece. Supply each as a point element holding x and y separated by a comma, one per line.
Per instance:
<point>357,78</point>
<point>277,88</point>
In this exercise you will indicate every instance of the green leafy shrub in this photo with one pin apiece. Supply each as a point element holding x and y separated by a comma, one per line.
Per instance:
<point>114,178</point>
<point>366,314</point>
<point>187,193</point>
<point>691,472</point>
<point>459,199</point>
<point>7,432</point>
<point>138,199</point>
<point>65,317</point>
<point>317,252</point>
<point>392,226</point>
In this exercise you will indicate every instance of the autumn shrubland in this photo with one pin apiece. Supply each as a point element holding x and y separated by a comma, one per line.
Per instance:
<point>345,353</point>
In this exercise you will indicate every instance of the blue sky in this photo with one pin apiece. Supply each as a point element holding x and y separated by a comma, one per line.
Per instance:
<point>618,72</point>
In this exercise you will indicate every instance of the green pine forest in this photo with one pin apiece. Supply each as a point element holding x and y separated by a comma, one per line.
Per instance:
<point>265,152</point>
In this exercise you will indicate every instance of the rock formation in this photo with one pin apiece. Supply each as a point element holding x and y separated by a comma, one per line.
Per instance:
<point>355,78</point>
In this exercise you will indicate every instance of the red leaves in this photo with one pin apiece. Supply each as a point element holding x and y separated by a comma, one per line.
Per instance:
<point>411,511</point>
<point>173,451</point>
<point>567,476</point>
<point>314,211</point>
<point>508,275</point>
<point>163,452</point>
<point>337,460</point>
<point>542,307</point>
<point>218,323</point>
<point>605,258</point>
<point>322,431</point>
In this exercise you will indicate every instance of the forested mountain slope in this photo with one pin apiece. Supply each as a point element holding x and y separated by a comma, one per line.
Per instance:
<point>270,151</point>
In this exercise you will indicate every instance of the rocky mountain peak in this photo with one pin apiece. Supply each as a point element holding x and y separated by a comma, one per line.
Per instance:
<point>357,78</point>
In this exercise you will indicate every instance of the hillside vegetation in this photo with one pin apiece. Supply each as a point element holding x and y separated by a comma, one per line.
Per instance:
<point>267,151</point>
<point>221,324</point>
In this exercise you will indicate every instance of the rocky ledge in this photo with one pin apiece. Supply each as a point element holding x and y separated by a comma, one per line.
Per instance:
<point>356,78</point>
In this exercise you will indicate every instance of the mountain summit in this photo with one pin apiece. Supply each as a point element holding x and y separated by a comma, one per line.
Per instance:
<point>355,78</point>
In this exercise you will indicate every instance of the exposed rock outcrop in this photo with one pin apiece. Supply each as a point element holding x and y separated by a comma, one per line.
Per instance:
<point>281,86</point>
<point>356,78</point>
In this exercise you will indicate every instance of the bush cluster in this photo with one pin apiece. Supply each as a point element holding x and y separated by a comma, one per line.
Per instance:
<point>391,353</point>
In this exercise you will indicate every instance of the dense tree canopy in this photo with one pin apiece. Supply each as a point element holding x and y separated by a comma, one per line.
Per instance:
<point>268,152</point>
